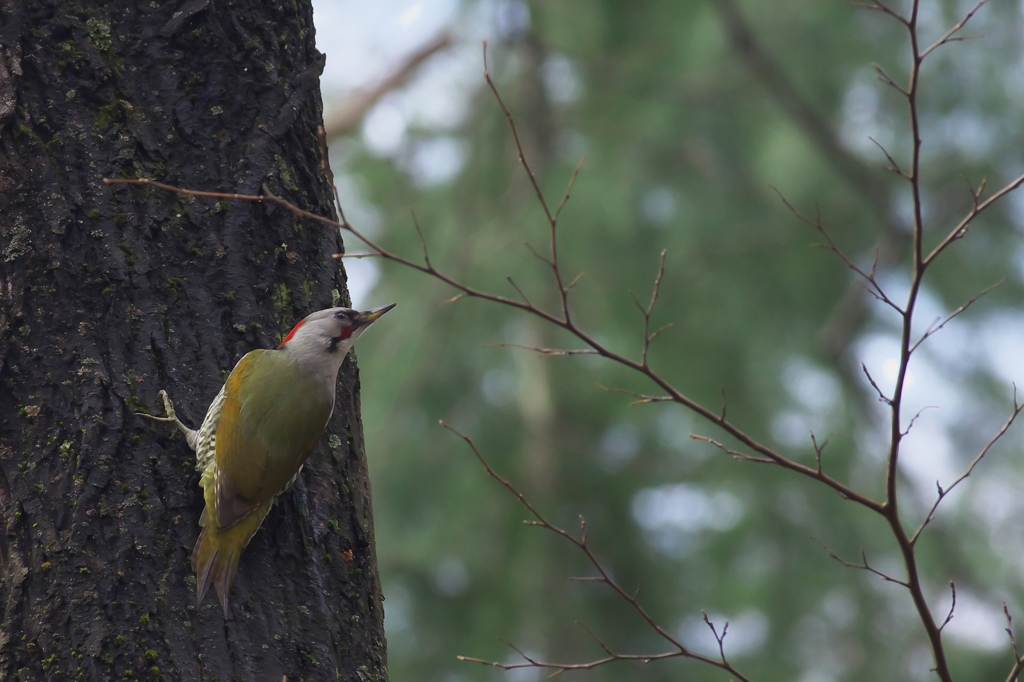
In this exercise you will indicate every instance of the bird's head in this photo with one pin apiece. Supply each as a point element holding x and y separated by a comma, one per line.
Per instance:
<point>330,332</point>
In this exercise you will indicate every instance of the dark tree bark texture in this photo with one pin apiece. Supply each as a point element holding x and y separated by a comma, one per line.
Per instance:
<point>110,293</point>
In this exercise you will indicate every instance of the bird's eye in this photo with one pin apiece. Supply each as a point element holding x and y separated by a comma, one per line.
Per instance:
<point>342,315</point>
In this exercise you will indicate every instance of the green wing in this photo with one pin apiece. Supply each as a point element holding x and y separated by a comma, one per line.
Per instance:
<point>274,413</point>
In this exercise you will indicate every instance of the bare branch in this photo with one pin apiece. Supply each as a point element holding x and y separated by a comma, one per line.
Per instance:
<point>781,87</point>
<point>646,312</point>
<point>735,453</point>
<point>882,7</point>
<point>714,633</point>
<point>636,302</point>
<point>660,330</point>
<point>597,639</point>
<point>919,413</point>
<point>545,351</point>
<point>961,229</point>
<point>178,190</point>
<point>863,565</point>
<point>869,277</point>
<point>1018,661</point>
<point>590,665</point>
<point>511,488</point>
<point>657,281</point>
<point>453,299</point>
<point>952,607</point>
<point>678,650</point>
<point>520,291</point>
<point>818,449</point>
<point>838,331</point>
<point>1017,407</point>
<point>642,398</point>
<point>894,167</point>
<point>268,197</point>
<point>881,396</point>
<point>552,218</point>
<point>537,255</point>
<point>936,326</point>
<point>948,37</point>
<point>887,79</point>
<point>568,190</point>
<point>423,240</point>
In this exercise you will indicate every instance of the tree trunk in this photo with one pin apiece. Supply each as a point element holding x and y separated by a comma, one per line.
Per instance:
<point>110,293</point>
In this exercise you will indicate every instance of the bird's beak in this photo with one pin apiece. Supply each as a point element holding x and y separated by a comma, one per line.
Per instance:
<point>367,317</point>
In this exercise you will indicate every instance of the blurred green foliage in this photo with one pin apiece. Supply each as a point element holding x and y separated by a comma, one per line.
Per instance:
<point>684,144</point>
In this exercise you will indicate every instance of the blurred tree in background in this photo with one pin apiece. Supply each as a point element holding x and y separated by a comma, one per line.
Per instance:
<point>689,114</point>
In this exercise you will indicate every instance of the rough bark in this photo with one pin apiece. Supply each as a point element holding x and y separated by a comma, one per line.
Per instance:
<point>110,293</point>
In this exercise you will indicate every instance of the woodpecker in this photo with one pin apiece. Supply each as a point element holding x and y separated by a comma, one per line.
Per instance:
<point>258,432</point>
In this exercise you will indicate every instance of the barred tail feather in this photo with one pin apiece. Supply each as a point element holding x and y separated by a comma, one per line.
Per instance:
<point>216,554</point>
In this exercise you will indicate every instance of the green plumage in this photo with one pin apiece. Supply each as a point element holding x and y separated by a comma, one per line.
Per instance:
<point>271,416</point>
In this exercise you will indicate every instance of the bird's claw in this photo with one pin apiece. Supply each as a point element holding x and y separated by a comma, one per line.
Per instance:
<point>171,417</point>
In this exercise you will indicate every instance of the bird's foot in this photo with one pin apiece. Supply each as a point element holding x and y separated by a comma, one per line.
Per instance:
<point>171,418</point>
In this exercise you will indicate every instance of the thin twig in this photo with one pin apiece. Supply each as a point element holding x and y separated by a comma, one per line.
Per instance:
<point>942,493</point>
<point>641,398</point>
<point>881,396</point>
<point>863,565</point>
<point>952,607</point>
<point>520,291</point>
<point>545,351</point>
<point>568,190</point>
<point>948,37</point>
<point>536,254</point>
<point>742,456</point>
<point>646,312</point>
<point>552,218</point>
<point>961,229</point>
<point>869,277</point>
<point>895,167</point>
<point>887,79</point>
<point>423,240</point>
<point>818,449</point>
<point>875,5</point>
<point>678,649</point>
<point>1018,661</point>
<point>597,639</point>
<point>919,413</point>
<point>714,633</point>
<point>936,326</point>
